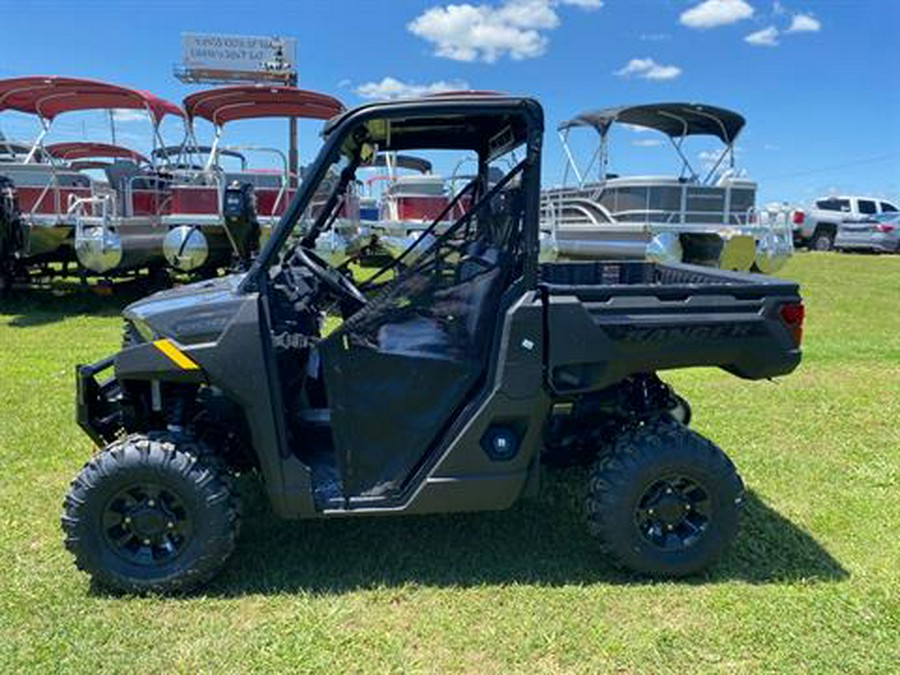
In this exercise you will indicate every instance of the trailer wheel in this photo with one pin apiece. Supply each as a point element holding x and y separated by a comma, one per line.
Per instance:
<point>665,501</point>
<point>147,516</point>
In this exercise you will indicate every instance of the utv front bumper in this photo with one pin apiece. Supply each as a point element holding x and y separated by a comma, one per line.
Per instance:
<point>98,405</point>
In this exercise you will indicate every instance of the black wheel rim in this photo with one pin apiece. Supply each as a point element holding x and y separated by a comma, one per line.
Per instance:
<point>673,513</point>
<point>147,524</point>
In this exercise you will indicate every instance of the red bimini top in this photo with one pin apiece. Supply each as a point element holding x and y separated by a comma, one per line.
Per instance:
<point>227,104</point>
<point>83,150</point>
<point>49,96</point>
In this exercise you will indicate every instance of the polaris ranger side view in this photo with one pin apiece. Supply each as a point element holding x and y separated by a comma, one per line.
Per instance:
<point>452,378</point>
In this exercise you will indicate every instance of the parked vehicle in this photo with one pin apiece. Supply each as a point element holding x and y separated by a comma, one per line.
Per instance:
<point>817,227</point>
<point>706,217</point>
<point>109,226</point>
<point>216,212</point>
<point>439,391</point>
<point>880,233</point>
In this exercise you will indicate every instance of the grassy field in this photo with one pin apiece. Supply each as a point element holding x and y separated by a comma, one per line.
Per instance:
<point>812,584</point>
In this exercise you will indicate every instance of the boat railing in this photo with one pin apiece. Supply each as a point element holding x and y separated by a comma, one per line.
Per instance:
<point>104,203</point>
<point>161,186</point>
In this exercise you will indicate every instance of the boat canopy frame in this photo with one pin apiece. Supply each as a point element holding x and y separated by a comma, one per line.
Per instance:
<point>78,150</point>
<point>676,121</point>
<point>222,105</point>
<point>46,97</point>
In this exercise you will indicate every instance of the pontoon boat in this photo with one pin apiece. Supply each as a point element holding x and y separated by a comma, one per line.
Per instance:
<point>705,217</point>
<point>110,225</point>
<point>198,235</point>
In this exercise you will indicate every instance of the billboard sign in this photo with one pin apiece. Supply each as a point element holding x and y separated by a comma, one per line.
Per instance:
<point>239,57</point>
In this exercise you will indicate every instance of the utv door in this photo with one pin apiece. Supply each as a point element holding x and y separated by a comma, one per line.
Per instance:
<point>401,369</point>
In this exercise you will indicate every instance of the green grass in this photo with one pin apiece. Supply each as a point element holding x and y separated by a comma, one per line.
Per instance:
<point>811,585</point>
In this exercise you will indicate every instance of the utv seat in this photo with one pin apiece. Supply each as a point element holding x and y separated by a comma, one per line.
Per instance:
<point>474,297</point>
<point>121,175</point>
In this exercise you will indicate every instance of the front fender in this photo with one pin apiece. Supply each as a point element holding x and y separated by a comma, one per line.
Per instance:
<point>161,360</point>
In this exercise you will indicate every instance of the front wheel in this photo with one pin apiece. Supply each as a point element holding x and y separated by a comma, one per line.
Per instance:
<point>680,410</point>
<point>665,501</point>
<point>145,515</point>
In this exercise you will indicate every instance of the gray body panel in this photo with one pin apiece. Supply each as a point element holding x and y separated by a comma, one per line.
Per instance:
<point>581,331</point>
<point>865,236</point>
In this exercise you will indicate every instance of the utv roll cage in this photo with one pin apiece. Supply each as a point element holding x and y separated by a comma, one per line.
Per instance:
<point>489,126</point>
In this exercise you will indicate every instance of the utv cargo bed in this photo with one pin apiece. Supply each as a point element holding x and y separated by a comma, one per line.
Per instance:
<point>606,320</point>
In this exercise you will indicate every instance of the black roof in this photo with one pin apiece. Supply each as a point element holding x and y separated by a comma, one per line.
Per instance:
<point>672,119</point>
<point>477,121</point>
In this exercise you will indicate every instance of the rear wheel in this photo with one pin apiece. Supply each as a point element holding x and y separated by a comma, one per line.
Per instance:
<point>823,240</point>
<point>145,515</point>
<point>665,501</point>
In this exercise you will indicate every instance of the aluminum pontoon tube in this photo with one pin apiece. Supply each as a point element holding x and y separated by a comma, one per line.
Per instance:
<point>548,250</point>
<point>103,250</point>
<point>662,247</point>
<point>773,250</point>
<point>188,248</point>
<point>185,248</point>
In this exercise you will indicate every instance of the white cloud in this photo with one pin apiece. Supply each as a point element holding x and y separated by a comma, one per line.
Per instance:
<point>583,4</point>
<point>344,83</point>
<point>646,142</point>
<point>804,23</point>
<point>390,87</point>
<point>648,69</point>
<point>654,37</point>
<point>712,13</point>
<point>129,115</point>
<point>708,159</point>
<point>771,147</point>
<point>484,32</point>
<point>767,37</point>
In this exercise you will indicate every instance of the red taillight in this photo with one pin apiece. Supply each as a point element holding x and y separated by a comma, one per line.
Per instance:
<point>886,229</point>
<point>793,315</point>
<point>797,217</point>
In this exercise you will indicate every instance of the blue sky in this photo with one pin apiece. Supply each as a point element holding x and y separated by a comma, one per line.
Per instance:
<point>821,92</point>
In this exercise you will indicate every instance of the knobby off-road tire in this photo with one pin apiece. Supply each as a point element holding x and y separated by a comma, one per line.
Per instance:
<point>665,501</point>
<point>680,410</point>
<point>147,516</point>
<point>130,336</point>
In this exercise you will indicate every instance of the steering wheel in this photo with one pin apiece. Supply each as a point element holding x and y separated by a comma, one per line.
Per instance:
<point>336,282</point>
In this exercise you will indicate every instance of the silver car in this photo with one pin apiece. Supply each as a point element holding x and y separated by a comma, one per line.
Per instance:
<point>879,233</point>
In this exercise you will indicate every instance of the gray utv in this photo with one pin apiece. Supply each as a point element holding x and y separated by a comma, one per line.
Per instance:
<point>452,379</point>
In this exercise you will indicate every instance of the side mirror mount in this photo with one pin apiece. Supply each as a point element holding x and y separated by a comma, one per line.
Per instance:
<point>367,153</point>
